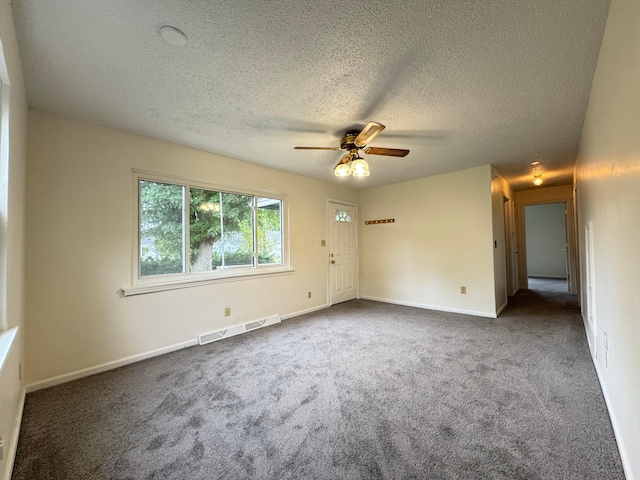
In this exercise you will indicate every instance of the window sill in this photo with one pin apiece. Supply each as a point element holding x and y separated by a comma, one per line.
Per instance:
<point>6,340</point>
<point>195,282</point>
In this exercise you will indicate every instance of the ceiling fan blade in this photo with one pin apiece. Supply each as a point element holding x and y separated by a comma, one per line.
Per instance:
<point>368,133</point>
<point>389,152</point>
<point>317,148</point>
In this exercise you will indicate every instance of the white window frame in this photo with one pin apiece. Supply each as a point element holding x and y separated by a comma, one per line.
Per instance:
<point>7,334</point>
<point>154,283</point>
<point>4,186</point>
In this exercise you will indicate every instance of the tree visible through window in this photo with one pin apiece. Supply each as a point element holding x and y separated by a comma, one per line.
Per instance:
<point>224,230</point>
<point>269,215</point>
<point>161,228</point>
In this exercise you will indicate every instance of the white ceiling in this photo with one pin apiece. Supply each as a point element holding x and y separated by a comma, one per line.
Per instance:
<point>460,83</point>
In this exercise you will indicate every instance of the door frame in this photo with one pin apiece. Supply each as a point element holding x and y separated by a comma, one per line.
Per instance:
<point>507,215</point>
<point>328,253</point>
<point>572,271</point>
<point>590,288</point>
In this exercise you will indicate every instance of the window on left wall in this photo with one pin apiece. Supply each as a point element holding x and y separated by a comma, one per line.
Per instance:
<point>190,231</point>
<point>8,333</point>
<point>4,186</point>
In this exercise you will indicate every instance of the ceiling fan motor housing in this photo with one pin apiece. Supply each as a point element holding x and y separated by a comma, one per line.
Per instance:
<point>348,141</point>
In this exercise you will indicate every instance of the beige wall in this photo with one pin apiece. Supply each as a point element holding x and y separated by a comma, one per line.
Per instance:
<point>441,240</point>
<point>12,240</point>
<point>608,195</point>
<point>80,240</point>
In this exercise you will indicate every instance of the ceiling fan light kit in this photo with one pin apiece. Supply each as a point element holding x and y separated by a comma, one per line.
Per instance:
<point>359,168</point>
<point>354,141</point>
<point>352,164</point>
<point>342,170</point>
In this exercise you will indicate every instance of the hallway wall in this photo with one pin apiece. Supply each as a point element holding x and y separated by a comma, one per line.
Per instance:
<point>607,180</point>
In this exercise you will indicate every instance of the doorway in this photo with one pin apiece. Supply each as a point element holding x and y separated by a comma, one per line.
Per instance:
<point>343,257</point>
<point>511,262</point>
<point>546,247</point>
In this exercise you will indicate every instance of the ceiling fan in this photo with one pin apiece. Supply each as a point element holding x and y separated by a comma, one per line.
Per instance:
<point>355,141</point>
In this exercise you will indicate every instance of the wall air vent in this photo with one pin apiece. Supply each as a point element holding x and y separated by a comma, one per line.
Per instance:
<point>238,329</point>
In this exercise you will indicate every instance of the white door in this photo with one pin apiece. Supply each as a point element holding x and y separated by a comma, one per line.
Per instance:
<point>343,265</point>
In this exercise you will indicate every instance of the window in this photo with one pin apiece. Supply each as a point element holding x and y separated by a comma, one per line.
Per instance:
<point>343,216</point>
<point>188,231</point>
<point>7,335</point>
<point>4,185</point>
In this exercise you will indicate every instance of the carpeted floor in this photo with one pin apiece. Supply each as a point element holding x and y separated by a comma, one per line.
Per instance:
<point>362,390</point>
<point>540,284</point>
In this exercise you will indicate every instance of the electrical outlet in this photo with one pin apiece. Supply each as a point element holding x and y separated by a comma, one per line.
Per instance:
<point>227,311</point>
<point>323,243</point>
<point>309,295</point>
<point>463,290</point>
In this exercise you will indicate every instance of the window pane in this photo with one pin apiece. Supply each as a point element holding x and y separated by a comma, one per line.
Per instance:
<point>161,228</point>
<point>269,231</point>
<point>204,229</point>
<point>343,216</point>
<point>237,223</point>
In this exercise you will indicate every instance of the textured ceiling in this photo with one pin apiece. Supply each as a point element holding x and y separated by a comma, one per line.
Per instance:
<point>460,83</point>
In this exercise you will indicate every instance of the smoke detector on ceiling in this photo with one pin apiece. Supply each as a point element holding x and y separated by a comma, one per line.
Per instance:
<point>173,36</point>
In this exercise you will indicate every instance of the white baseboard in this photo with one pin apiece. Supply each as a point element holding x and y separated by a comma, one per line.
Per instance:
<point>85,372</point>
<point>430,307</point>
<point>304,312</point>
<point>13,440</point>
<point>590,337</point>
<point>501,309</point>
<point>624,453</point>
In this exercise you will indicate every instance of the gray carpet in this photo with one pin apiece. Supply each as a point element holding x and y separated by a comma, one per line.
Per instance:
<point>540,284</point>
<point>360,391</point>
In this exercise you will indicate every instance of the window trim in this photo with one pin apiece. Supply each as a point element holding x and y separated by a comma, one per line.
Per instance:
<point>5,121</point>
<point>154,283</point>
<point>7,338</point>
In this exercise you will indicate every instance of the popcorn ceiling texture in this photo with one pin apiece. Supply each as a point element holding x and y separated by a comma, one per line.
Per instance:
<point>461,83</point>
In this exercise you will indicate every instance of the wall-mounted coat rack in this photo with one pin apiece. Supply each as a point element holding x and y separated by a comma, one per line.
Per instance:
<point>374,222</point>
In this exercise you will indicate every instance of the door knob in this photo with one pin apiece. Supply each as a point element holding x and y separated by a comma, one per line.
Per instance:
<point>333,261</point>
